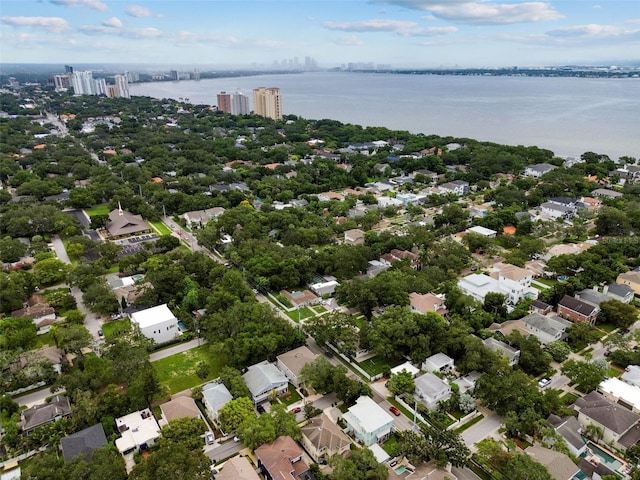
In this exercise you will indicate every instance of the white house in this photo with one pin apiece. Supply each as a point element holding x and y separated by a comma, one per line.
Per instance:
<point>263,378</point>
<point>622,393</point>
<point>457,187</point>
<point>324,288</point>
<point>485,232</point>
<point>368,421</point>
<point>138,430</point>
<point>555,210</point>
<point>405,367</point>
<point>546,329</point>
<point>431,389</point>
<point>214,397</point>
<point>477,285</point>
<point>157,323</point>
<point>538,169</point>
<point>438,362</point>
<point>510,353</point>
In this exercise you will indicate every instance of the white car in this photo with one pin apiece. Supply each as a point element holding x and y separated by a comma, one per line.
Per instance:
<point>544,382</point>
<point>209,438</point>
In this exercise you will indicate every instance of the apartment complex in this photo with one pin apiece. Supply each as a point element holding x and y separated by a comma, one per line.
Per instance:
<point>267,102</point>
<point>234,103</point>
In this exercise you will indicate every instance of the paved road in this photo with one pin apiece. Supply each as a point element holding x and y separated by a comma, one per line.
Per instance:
<point>183,347</point>
<point>464,474</point>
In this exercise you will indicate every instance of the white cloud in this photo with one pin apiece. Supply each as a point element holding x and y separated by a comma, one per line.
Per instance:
<point>400,27</point>
<point>349,41</point>
<point>113,22</point>
<point>139,11</point>
<point>50,24</point>
<point>93,4</point>
<point>595,31</point>
<point>483,11</point>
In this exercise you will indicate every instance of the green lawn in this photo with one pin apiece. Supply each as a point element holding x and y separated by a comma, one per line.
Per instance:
<point>470,423</point>
<point>376,365</point>
<point>292,397</point>
<point>301,314</point>
<point>392,446</point>
<point>102,209</point>
<point>178,372</point>
<point>161,228</point>
<point>45,339</point>
<point>607,327</point>
<point>116,327</point>
<point>546,281</point>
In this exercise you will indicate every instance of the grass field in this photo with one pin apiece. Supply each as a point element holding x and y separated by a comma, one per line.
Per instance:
<point>178,372</point>
<point>301,314</point>
<point>376,365</point>
<point>116,327</point>
<point>102,209</point>
<point>292,397</point>
<point>161,228</point>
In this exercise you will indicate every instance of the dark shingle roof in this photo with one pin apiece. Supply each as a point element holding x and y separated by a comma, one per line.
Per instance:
<point>579,306</point>
<point>83,442</point>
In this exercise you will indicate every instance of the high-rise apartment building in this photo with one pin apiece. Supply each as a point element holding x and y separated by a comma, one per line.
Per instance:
<point>267,102</point>
<point>61,82</point>
<point>83,83</point>
<point>123,86</point>
<point>224,102</point>
<point>239,104</point>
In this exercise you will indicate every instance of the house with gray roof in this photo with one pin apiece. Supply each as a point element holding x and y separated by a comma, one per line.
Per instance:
<point>214,397</point>
<point>605,192</point>
<point>290,363</point>
<point>263,378</point>
<point>592,296</point>
<point>431,389</point>
<point>631,375</point>
<point>618,291</point>
<point>547,329</point>
<point>507,351</point>
<point>83,442</point>
<point>569,429</point>
<point>539,169</point>
<point>123,223</point>
<point>559,465</point>
<point>38,415</point>
<point>439,362</point>
<point>620,426</point>
<point>322,438</point>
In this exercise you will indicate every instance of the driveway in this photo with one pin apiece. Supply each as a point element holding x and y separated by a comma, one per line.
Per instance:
<point>58,246</point>
<point>224,450</point>
<point>36,398</point>
<point>183,347</point>
<point>483,429</point>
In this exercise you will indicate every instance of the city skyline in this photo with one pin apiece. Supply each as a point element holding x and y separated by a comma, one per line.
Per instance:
<point>394,33</point>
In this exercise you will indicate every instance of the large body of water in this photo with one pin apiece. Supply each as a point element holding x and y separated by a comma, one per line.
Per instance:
<point>567,115</point>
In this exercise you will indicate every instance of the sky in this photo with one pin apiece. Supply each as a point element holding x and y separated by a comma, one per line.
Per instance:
<point>399,33</point>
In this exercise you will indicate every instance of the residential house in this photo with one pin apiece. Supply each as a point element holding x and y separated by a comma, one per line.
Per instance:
<point>54,356</point>
<point>300,298</point>
<point>42,315</point>
<point>201,217</point>
<point>322,438</point>
<point>546,328</point>
<point>431,389</point>
<point>556,211</point>
<point>622,393</point>
<point>38,415</point>
<point>354,237</point>
<point>538,169</point>
<point>291,363</point>
<point>432,177</point>
<point>438,362</point>
<point>477,285</point>
<point>282,460</point>
<point>559,465</point>
<point>617,291</point>
<point>328,196</point>
<point>467,382</point>
<point>516,280</point>
<point>507,351</point>
<point>577,311</point>
<point>605,192</point>
<point>83,442</point>
<point>384,202</point>
<point>592,296</point>
<point>620,426</point>
<point>264,378</point>
<point>571,431</point>
<point>368,421</point>
<point>485,232</point>
<point>138,431</point>
<point>180,407</point>
<point>630,279</point>
<point>457,187</point>
<point>123,224</point>
<point>631,375</point>
<point>214,397</point>
<point>324,288</point>
<point>506,328</point>
<point>236,468</point>
<point>396,255</point>
<point>540,307</point>
<point>428,302</point>
<point>405,367</point>
<point>157,323</point>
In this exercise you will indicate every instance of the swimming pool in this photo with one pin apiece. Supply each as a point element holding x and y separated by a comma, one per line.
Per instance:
<point>400,469</point>
<point>611,462</point>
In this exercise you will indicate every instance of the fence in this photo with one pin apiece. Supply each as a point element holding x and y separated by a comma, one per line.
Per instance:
<point>371,378</point>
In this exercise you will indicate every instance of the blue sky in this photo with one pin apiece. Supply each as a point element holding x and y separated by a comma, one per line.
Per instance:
<point>400,33</point>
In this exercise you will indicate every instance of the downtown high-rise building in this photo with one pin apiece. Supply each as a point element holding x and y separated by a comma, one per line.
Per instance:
<point>83,83</point>
<point>122,83</point>
<point>240,104</point>
<point>61,82</point>
<point>267,102</point>
<point>224,102</point>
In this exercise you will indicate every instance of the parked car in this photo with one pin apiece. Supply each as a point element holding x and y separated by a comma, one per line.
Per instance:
<point>297,410</point>
<point>394,410</point>
<point>260,409</point>
<point>100,333</point>
<point>209,438</point>
<point>236,439</point>
<point>544,382</point>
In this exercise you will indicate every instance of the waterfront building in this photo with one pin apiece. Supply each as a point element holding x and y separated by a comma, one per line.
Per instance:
<point>267,102</point>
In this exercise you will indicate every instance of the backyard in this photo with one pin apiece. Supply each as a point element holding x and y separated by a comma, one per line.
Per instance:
<point>178,372</point>
<point>102,209</point>
<point>377,365</point>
